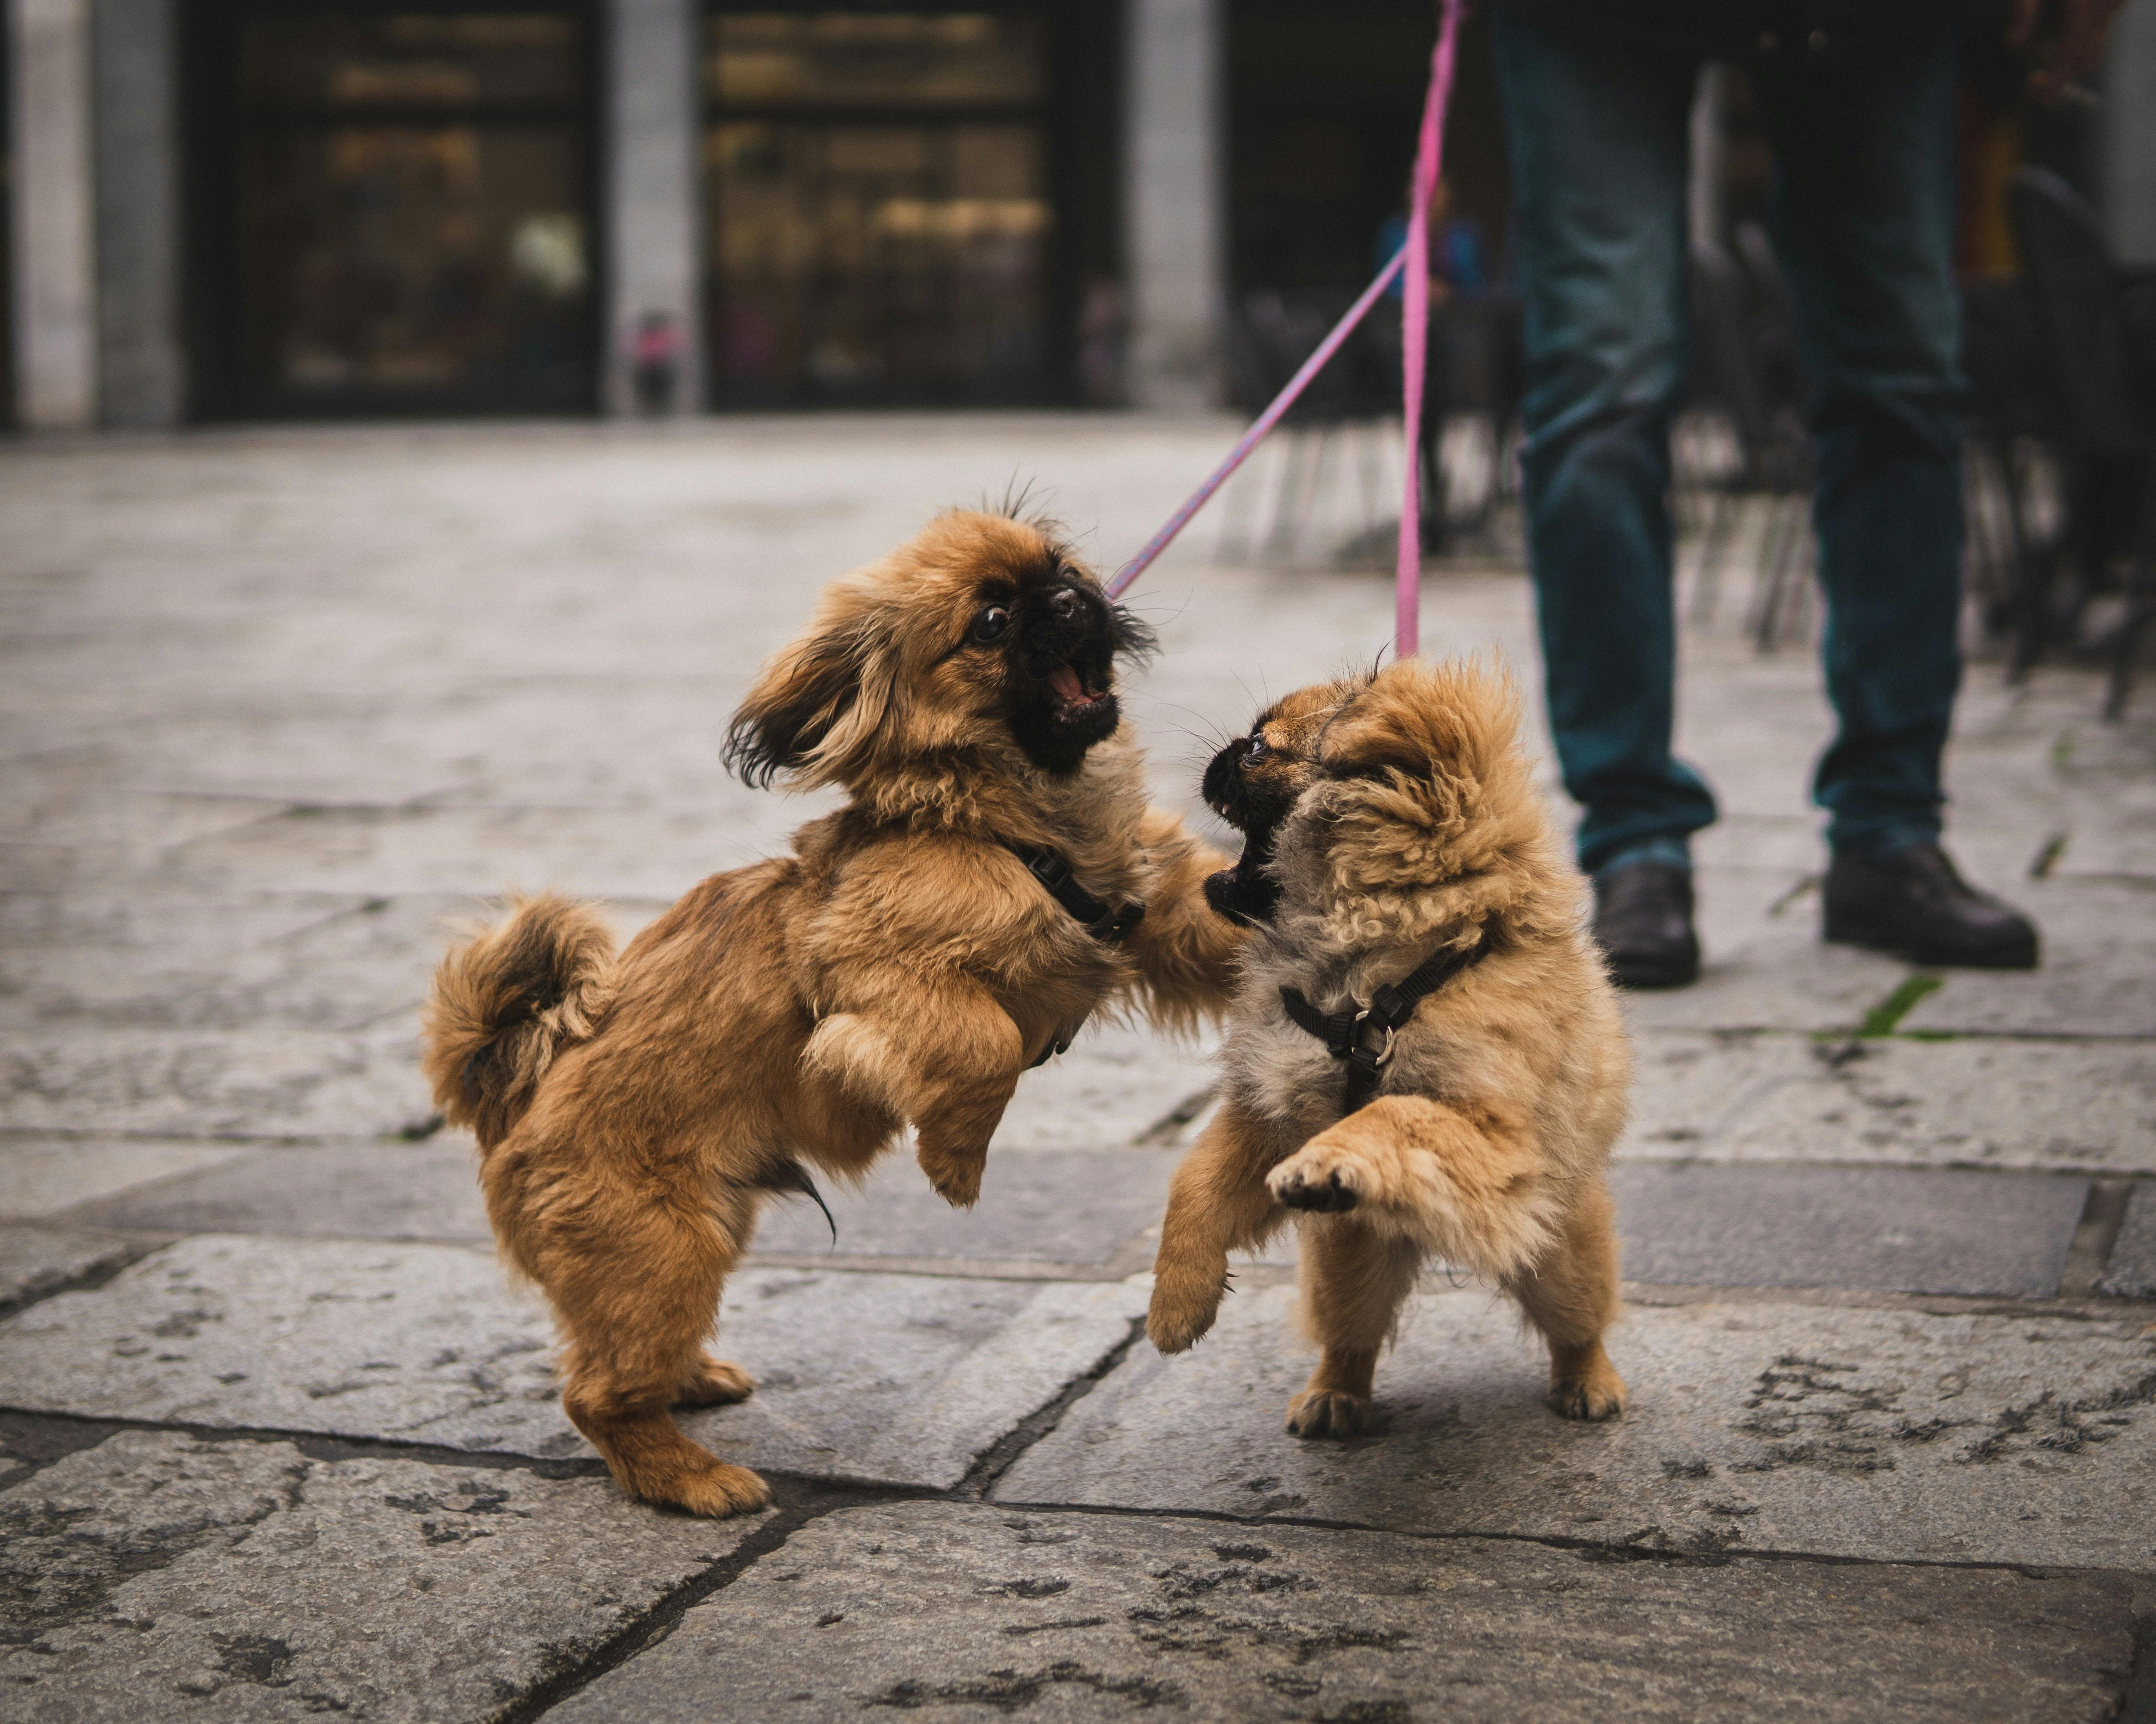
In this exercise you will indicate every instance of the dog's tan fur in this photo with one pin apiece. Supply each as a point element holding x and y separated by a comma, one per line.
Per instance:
<point>900,967</point>
<point>1415,828</point>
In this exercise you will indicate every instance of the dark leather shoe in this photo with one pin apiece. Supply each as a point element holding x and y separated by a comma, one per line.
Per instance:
<point>1643,921</point>
<point>1917,905</point>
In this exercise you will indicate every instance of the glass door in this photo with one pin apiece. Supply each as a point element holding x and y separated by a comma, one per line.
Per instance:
<point>880,225</point>
<point>408,213</point>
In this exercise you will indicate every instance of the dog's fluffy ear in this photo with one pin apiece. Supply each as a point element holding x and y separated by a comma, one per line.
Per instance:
<point>816,700</point>
<point>1426,779</point>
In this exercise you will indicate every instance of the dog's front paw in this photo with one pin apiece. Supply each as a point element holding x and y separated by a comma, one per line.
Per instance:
<point>1328,1413</point>
<point>1314,1179</point>
<point>1595,1394</point>
<point>1179,1316</point>
<point>957,1178</point>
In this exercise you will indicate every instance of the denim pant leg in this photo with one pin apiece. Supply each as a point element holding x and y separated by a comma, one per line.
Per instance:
<point>1598,146</point>
<point>1864,211</point>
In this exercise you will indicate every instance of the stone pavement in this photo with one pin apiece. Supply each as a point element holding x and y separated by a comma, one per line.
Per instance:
<point>279,1438</point>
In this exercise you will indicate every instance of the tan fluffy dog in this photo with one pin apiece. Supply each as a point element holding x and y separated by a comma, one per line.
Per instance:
<point>1391,824</point>
<point>902,966</point>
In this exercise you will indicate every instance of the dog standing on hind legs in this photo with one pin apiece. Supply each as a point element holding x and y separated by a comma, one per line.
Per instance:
<point>995,877</point>
<point>1426,1059</point>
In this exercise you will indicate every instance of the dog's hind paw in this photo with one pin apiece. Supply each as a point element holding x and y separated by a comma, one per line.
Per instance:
<point>715,1492</point>
<point>1598,1395</point>
<point>713,1382</point>
<point>1328,1413</point>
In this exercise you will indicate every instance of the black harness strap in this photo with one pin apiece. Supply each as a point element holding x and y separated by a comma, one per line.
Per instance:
<point>1110,926</point>
<point>1348,1034</point>
<point>1052,869</point>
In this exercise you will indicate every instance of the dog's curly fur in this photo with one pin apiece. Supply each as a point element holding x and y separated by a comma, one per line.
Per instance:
<point>1389,818</point>
<point>901,966</point>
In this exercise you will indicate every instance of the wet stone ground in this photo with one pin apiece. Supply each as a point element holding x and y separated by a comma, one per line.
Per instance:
<point>278,1439</point>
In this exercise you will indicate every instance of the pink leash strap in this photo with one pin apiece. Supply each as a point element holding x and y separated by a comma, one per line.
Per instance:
<point>1259,427</point>
<point>1414,344</point>
<point>1415,335</point>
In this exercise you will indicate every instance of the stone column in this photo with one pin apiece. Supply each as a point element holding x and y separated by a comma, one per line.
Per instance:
<point>2129,126</point>
<point>53,298</point>
<point>1175,201</point>
<point>140,368</point>
<point>654,209</point>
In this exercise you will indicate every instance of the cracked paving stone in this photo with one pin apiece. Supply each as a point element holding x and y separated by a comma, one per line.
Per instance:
<point>35,1260</point>
<point>1894,1229</point>
<point>158,1576</point>
<point>968,1613</point>
<point>1886,1435</point>
<point>896,1379</point>
<point>1982,1101</point>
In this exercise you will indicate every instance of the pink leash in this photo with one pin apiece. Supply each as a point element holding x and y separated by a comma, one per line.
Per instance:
<point>1414,344</point>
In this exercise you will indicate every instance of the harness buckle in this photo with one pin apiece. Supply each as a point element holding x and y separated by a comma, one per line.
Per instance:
<point>1359,1051</point>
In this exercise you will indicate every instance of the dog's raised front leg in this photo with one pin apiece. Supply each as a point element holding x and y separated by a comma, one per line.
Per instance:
<point>946,1059</point>
<point>1463,1181</point>
<point>1217,1204</point>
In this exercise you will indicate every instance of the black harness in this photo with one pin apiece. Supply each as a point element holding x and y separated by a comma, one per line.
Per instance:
<point>1109,925</point>
<point>1364,1036</point>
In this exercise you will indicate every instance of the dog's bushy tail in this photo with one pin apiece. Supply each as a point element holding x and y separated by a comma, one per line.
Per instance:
<point>506,1001</point>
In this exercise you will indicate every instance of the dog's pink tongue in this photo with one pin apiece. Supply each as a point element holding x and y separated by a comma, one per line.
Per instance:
<point>1064,681</point>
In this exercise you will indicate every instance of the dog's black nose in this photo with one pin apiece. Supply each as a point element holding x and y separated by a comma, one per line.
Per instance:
<point>1067,606</point>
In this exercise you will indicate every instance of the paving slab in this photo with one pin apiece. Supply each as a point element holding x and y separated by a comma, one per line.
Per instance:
<point>1079,1207</point>
<point>33,1260</point>
<point>1896,1435</point>
<point>2099,953</point>
<point>181,961</point>
<point>2132,1273</point>
<point>898,1379</point>
<point>1969,1101</point>
<point>259,1083</point>
<point>1116,1082</point>
<point>1895,1229</point>
<point>157,1575</point>
<point>971,1615</point>
<point>1777,975</point>
<point>363,1189</point>
<point>40,1175</point>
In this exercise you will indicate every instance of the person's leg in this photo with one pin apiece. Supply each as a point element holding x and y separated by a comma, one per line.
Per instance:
<point>1597,142</point>
<point>1863,214</point>
<point>1863,211</point>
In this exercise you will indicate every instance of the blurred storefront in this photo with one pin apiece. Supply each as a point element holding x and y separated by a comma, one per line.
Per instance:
<point>251,209</point>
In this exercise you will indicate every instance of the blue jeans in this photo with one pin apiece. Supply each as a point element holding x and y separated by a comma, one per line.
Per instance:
<point>1862,216</point>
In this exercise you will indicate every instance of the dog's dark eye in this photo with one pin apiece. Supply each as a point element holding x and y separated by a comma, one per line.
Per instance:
<point>989,623</point>
<point>1255,751</point>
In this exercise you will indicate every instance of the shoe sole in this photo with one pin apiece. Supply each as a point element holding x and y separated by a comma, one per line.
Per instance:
<point>2019,956</point>
<point>1644,976</point>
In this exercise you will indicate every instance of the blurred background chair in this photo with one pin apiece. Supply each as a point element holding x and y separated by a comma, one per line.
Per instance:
<point>2094,337</point>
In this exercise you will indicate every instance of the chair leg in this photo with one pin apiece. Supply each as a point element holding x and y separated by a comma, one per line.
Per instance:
<point>2031,576</point>
<point>2140,608</point>
<point>1707,567</point>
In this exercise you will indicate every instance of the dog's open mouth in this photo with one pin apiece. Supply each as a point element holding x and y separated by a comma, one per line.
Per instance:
<point>1076,696</point>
